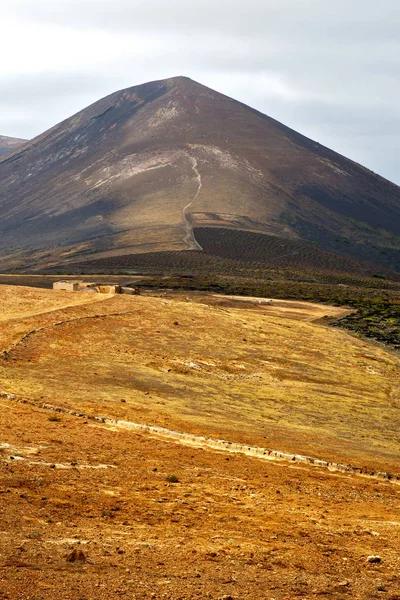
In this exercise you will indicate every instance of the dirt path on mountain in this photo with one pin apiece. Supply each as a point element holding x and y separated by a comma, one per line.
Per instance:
<point>189,238</point>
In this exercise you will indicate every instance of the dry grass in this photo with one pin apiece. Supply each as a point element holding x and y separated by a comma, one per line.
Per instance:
<point>259,375</point>
<point>237,527</point>
<point>18,302</point>
<point>231,526</point>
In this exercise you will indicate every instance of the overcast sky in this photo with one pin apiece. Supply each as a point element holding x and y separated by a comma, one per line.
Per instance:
<point>327,68</point>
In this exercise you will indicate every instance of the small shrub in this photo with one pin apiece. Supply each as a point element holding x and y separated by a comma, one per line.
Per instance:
<point>172,479</point>
<point>54,419</point>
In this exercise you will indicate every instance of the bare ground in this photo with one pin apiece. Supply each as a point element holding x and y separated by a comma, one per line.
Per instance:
<point>232,525</point>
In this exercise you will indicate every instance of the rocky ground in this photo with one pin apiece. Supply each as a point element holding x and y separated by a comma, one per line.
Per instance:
<point>87,513</point>
<point>92,511</point>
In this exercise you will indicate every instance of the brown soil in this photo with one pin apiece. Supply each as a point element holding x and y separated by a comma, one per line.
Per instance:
<point>92,512</point>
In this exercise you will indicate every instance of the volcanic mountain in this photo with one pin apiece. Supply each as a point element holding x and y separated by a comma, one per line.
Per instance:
<point>8,144</point>
<point>139,170</point>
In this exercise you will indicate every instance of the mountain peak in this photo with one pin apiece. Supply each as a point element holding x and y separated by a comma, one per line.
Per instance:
<point>138,170</point>
<point>178,83</point>
<point>179,79</point>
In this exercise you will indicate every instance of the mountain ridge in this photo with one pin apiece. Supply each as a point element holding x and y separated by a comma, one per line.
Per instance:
<point>137,170</point>
<point>9,144</point>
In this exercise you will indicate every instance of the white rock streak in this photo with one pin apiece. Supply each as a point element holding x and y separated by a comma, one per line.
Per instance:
<point>189,238</point>
<point>205,442</point>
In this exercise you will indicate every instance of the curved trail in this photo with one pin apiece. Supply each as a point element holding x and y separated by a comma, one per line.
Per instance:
<point>189,238</point>
<point>4,352</point>
<point>28,315</point>
<point>7,351</point>
<point>198,441</point>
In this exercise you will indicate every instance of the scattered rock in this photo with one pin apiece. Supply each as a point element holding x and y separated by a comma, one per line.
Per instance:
<point>344,584</point>
<point>374,559</point>
<point>76,556</point>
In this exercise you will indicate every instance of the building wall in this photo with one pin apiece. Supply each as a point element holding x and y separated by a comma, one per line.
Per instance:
<point>68,286</point>
<point>86,286</point>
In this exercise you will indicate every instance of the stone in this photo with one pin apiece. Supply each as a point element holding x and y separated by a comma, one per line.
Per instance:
<point>76,556</point>
<point>374,559</point>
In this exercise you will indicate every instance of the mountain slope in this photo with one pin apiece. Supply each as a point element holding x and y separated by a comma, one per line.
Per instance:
<point>137,170</point>
<point>8,144</point>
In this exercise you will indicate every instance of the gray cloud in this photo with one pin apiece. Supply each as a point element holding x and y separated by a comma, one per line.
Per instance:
<point>340,20</point>
<point>328,69</point>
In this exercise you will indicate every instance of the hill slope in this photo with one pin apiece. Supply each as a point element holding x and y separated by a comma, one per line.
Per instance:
<point>137,170</point>
<point>102,498</point>
<point>8,144</point>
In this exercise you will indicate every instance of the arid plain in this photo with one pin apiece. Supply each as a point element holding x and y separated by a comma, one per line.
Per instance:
<point>92,506</point>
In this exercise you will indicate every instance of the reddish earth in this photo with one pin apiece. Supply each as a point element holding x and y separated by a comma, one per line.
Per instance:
<point>232,526</point>
<point>90,511</point>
